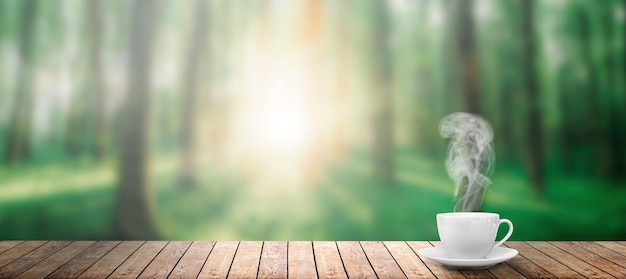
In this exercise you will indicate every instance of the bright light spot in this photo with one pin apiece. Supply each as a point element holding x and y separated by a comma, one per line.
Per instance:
<point>400,5</point>
<point>483,9</point>
<point>435,16</point>
<point>619,14</point>
<point>286,131</point>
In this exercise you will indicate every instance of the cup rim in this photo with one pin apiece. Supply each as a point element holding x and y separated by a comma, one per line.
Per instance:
<point>467,214</point>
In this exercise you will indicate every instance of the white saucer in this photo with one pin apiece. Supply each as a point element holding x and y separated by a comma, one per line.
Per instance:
<point>496,256</point>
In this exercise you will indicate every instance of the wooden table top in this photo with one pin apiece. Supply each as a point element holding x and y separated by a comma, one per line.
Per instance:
<point>295,259</point>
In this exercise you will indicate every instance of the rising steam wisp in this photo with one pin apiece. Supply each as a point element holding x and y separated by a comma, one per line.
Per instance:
<point>470,157</point>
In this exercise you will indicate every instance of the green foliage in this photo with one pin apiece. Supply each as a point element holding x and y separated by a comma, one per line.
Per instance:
<point>72,201</point>
<point>259,68</point>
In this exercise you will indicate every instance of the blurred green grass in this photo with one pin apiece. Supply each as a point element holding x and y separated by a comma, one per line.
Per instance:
<point>75,200</point>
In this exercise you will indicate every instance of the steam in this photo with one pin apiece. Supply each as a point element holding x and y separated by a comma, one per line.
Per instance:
<point>470,157</point>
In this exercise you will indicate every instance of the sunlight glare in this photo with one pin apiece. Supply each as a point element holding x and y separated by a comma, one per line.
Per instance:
<point>284,130</point>
<point>435,16</point>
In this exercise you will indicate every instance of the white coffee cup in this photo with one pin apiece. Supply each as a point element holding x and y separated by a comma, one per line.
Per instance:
<point>470,235</point>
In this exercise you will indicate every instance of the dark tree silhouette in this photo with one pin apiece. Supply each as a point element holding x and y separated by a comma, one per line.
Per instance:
<point>195,54</point>
<point>382,113</point>
<point>535,158</point>
<point>613,151</point>
<point>18,143</point>
<point>133,217</point>
<point>466,53</point>
<point>618,111</point>
<point>94,10</point>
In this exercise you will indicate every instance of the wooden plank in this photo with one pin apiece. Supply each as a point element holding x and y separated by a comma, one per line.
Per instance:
<point>166,260</point>
<point>18,251</point>
<point>273,260</point>
<point>477,274</point>
<point>29,260</point>
<point>8,244</point>
<point>191,263</point>
<point>480,273</point>
<point>381,260</point>
<point>527,268</point>
<point>135,264</point>
<point>613,245</point>
<point>604,252</point>
<point>300,260</point>
<point>546,262</point>
<point>593,259</point>
<point>56,260</point>
<point>220,259</point>
<point>409,262</point>
<point>437,269</point>
<point>328,261</point>
<point>504,270</point>
<point>569,260</point>
<point>77,265</point>
<point>354,260</point>
<point>246,261</point>
<point>109,262</point>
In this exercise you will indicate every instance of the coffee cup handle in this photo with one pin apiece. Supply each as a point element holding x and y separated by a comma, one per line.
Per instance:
<point>508,234</point>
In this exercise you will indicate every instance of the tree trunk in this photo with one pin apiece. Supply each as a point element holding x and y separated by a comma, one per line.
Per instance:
<point>342,44</point>
<point>382,114</point>
<point>614,130</point>
<point>18,143</point>
<point>594,136</point>
<point>567,127</point>
<point>197,41</point>
<point>466,53</point>
<point>425,119</point>
<point>620,111</point>
<point>97,79</point>
<point>535,160</point>
<point>133,218</point>
<point>508,53</point>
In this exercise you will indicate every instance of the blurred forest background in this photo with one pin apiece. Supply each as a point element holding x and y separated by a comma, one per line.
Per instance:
<point>305,120</point>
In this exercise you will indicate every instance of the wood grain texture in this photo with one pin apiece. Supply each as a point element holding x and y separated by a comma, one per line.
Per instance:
<point>300,260</point>
<point>381,260</point>
<point>32,258</point>
<point>592,259</point>
<point>109,262</point>
<point>409,262</point>
<point>246,261</point>
<point>135,264</point>
<point>618,249</point>
<point>220,259</point>
<point>601,249</point>
<point>327,260</point>
<point>546,262</point>
<point>528,268</point>
<point>273,260</point>
<point>477,274</point>
<point>504,270</point>
<point>355,261</point>
<point>191,263</point>
<point>6,245</point>
<point>84,260</point>
<point>56,260</point>
<point>437,269</point>
<point>166,260</point>
<point>569,260</point>
<point>19,250</point>
<point>481,273</point>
